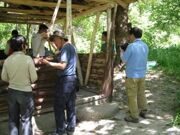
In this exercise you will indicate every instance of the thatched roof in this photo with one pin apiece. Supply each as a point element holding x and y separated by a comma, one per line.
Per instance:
<point>41,11</point>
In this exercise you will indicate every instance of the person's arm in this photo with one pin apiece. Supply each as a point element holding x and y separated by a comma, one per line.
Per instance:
<point>62,58</point>
<point>4,74</point>
<point>58,65</point>
<point>7,47</point>
<point>32,71</point>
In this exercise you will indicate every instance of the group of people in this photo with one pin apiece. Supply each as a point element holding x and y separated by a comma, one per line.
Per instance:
<point>20,72</point>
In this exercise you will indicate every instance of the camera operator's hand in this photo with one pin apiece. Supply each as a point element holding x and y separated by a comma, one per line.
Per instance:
<point>121,52</point>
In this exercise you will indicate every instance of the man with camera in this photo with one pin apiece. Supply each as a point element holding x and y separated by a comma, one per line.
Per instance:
<point>135,57</point>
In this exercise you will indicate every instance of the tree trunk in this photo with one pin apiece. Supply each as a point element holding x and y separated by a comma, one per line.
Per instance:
<point>121,30</point>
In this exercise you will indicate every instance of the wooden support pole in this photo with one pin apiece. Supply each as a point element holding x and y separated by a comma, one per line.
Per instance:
<point>69,19</point>
<point>53,21</point>
<point>109,25</point>
<point>107,87</point>
<point>92,48</point>
<point>27,34</point>
<point>79,70</point>
<point>55,14</point>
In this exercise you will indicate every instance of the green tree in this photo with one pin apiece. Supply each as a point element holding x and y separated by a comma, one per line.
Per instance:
<point>166,15</point>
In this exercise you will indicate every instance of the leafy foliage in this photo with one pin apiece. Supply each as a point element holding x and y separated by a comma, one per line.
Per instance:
<point>166,13</point>
<point>5,32</point>
<point>83,28</point>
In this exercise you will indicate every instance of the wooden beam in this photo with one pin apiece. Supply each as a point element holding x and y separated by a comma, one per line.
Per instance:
<point>48,17</point>
<point>21,21</point>
<point>42,4</point>
<point>55,14</point>
<point>120,2</point>
<point>30,12</point>
<point>92,48</point>
<point>69,19</point>
<point>16,17</point>
<point>94,10</point>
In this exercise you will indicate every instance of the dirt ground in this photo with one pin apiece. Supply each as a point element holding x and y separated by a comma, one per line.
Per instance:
<point>161,94</point>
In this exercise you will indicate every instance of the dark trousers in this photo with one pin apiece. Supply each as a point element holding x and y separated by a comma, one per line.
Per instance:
<point>65,96</point>
<point>21,106</point>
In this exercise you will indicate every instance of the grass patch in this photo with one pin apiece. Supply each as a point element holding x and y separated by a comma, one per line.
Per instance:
<point>169,60</point>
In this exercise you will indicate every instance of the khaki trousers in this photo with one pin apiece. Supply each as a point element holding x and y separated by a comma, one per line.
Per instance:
<point>135,88</point>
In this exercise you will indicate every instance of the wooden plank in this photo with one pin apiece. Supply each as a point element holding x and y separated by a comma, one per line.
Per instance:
<point>93,10</point>
<point>24,16</point>
<point>42,4</point>
<point>30,12</point>
<point>92,48</point>
<point>120,2</point>
<point>21,21</point>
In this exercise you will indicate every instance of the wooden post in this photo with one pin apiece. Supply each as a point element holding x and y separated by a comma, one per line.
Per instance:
<point>109,25</point>
<point>92,48</point>
<point>55,14</point>
<point>107,87</point>
<point>79,71</point>
<point>27,34</point>
<point>69,19</point>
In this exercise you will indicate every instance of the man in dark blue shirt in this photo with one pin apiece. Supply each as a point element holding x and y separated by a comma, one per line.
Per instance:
<point>65,93</point>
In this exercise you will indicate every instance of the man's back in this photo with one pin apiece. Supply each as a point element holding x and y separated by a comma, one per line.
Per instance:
<point>136,57</point>
<point>38,45</point>
<point>21,71</point>
<point>68,55</point>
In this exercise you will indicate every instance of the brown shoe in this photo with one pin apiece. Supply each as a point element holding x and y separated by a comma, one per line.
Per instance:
<point>131,119</point>
<point>143,114</point>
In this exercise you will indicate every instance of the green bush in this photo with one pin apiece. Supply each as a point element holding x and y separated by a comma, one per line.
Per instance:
<point>168,59</point>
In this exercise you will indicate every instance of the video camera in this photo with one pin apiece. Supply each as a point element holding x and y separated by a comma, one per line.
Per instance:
<point>124,46</point>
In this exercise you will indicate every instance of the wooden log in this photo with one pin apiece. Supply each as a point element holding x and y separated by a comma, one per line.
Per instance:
<point>93,10</point>
<point>22,21</point>
<point>25,17</point>
<point>55,14</point>
<point>79,70</point>
<point>92,48</point>
<point>31,12</point>
<point>120,2</point>
<point>107,86</point>
<point>42,4</point>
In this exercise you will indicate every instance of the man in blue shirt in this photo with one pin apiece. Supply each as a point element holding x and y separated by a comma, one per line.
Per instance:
<point>65,93</point>
<point>135,57</point>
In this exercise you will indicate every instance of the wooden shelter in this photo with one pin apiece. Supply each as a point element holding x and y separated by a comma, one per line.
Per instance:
<point>41,11</point>
<point>50,12</point>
